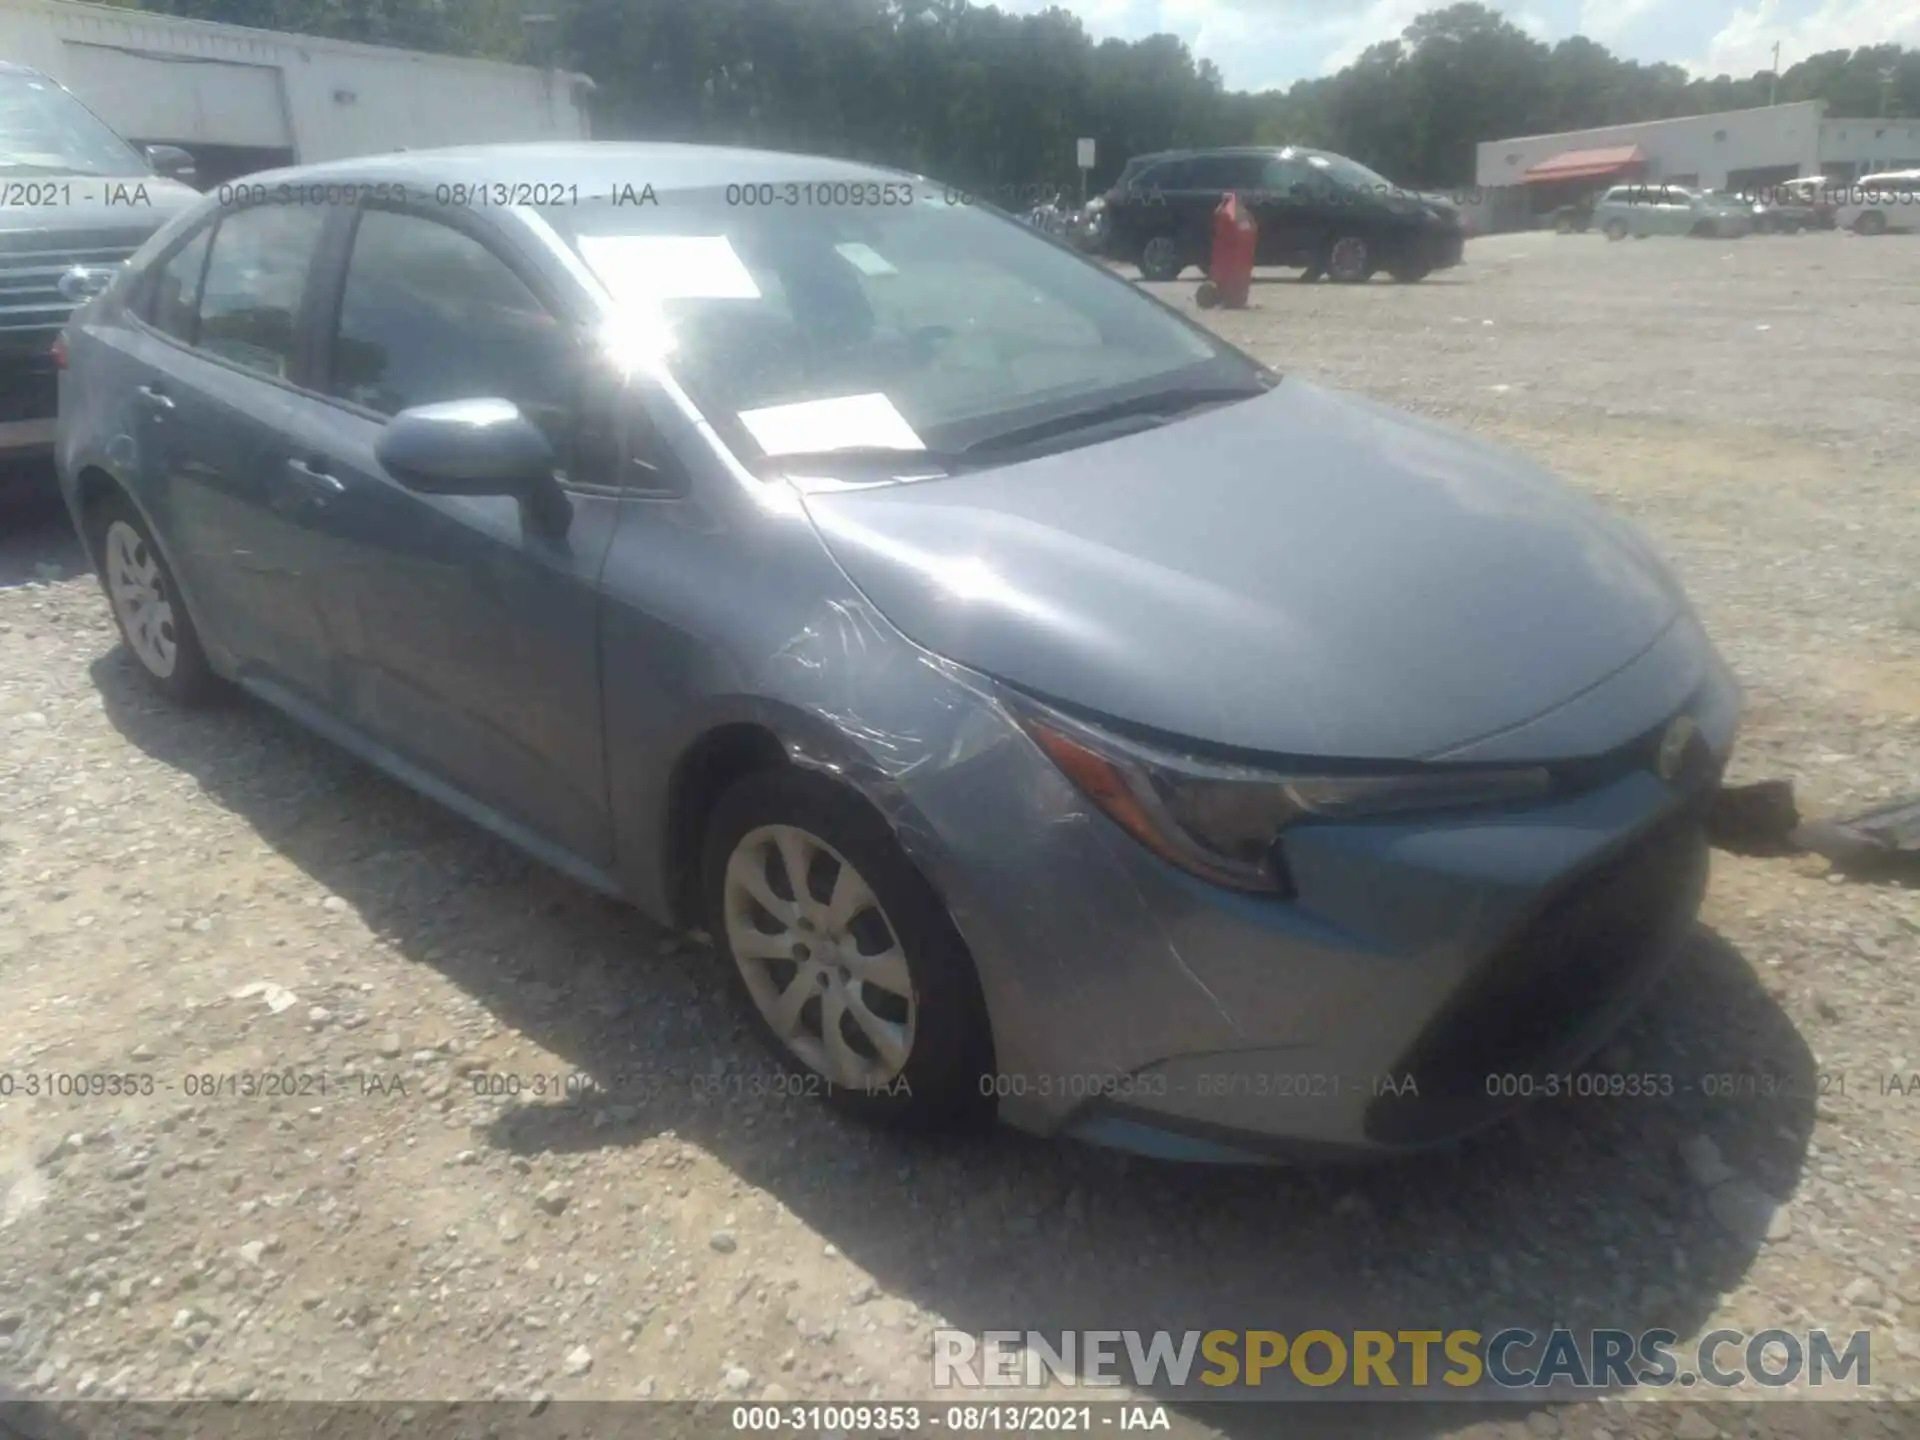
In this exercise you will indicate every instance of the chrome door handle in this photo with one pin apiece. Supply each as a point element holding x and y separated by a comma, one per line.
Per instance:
<point>318,481</point>
<point>156,398</point>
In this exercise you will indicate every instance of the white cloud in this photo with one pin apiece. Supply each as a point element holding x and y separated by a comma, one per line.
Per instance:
<point>1380,20</point>
<point>1745,43</point>
<point>1534,23</point>
<point>1607,20</point>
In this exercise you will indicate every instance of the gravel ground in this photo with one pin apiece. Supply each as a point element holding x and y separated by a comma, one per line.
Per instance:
<point>186,896</point>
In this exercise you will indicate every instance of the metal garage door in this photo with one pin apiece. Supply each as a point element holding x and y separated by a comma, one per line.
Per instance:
<point>178,98</point>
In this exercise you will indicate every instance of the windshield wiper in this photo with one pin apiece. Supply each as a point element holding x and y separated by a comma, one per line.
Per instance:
<point>1161,406</point>
<point>1157,408</point>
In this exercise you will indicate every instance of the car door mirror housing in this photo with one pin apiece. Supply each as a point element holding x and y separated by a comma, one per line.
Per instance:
<point>171,162</point>
<point>466,447</point>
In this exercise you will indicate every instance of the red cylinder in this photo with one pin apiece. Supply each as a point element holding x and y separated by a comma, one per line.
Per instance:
<point>1235,233</point>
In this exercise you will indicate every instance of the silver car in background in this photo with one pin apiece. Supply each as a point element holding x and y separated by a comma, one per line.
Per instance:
<point>1655,208</point>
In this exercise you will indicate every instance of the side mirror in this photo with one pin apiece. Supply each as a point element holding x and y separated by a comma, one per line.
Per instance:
<point>171,162</point>
<point>466,447</point>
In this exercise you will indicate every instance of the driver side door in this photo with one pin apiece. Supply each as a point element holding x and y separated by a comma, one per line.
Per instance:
<point>465,628</point>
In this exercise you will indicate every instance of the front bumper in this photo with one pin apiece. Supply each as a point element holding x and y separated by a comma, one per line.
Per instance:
<point>1447,249</point>
<point>29,401</point>
<point>1138,1007</point>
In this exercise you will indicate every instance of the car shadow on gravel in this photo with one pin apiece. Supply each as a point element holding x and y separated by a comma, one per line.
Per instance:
<point>1579,1213</point>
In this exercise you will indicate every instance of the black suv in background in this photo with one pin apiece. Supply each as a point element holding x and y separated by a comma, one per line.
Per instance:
<point>75,201</point>
<point>1321,212</point>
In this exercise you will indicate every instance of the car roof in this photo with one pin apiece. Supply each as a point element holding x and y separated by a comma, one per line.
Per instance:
<point>599,164</point>
<point>1262,151</point>
<point>1889,175</point>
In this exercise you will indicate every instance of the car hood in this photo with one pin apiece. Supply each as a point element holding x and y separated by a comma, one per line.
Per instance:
<point>1305,573</point>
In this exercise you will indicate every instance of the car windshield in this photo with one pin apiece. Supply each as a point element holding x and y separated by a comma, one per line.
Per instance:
<point>45,131</point>
<point>869,314</point>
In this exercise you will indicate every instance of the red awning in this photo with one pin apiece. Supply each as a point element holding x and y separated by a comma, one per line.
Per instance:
<point>1585,164</point>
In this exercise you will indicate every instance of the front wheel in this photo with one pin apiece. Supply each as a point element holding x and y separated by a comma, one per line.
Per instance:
<point>147,605</point>
<point>1871,223</point>
<point>853,971</point>
<point>1616,230</point>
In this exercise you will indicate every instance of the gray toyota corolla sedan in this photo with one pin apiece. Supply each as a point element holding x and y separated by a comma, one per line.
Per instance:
<point>1047,709</point>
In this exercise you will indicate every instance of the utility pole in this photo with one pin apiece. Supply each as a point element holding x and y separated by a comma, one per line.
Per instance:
<point>1773,79</point>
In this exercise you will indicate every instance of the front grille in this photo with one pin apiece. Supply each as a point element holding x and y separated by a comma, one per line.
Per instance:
<point>1590,945</point>
<point>32,309</point>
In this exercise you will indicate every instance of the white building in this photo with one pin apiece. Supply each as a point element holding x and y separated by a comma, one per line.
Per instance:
<point>1732,149</point>
<point>243,99</point>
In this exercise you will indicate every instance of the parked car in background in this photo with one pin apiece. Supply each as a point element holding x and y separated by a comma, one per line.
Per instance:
<point>1880,204</point>
<point>1644,209</point>
<point>1811,194</point>
<point>1775,213</point>
<point>827,578</point>
<point>1320,212</point>
<point>1573,218</point>
<point>77,200</point>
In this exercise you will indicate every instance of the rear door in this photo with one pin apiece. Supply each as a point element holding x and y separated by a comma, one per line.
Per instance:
<point>467,629</point>
<point>1295,212</point>
<point>215,357</point>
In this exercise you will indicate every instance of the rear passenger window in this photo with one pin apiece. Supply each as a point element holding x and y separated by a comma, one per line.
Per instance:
<point>250,301</point>
<point>430,314</point>
<point>173,301</point>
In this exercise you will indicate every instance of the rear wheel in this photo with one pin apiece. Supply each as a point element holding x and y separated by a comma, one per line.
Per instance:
<point>1616,230</point>
<point>1871,223</point>
<point>1161,259</point>
<point>851,967</point>
<point>147,605</point>
<point>1350,261</point>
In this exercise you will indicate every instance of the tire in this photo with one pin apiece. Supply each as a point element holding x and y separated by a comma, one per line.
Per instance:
<point>147,606</point>
<point>1564,225</point>
<point>1410,274</point>
<point>930,1069</point>
<point>1161,260</point>
<point>1350,261</point>
<point>1616,230</point>
<point>1871,223</point>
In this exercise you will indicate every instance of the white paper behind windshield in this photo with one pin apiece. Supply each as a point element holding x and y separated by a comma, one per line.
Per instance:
<point>834,424</point>
<point>652,268</point>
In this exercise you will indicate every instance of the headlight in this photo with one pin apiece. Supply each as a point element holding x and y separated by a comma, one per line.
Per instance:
<point>1096,205</point>
<point>1220,821</point>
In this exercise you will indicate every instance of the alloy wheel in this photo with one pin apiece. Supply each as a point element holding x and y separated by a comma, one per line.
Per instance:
<point>821,960</point>
<point>1160,259</point>
<point>1347,261</point>
<point>140,599</point>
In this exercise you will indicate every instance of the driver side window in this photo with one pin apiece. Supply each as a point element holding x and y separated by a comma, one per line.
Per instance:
<point>429,313</point>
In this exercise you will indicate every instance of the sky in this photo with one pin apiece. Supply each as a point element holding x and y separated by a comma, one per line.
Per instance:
<point>1260,44</point>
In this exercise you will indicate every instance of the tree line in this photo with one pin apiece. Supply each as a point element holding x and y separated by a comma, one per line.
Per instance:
<point>978,96</point>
